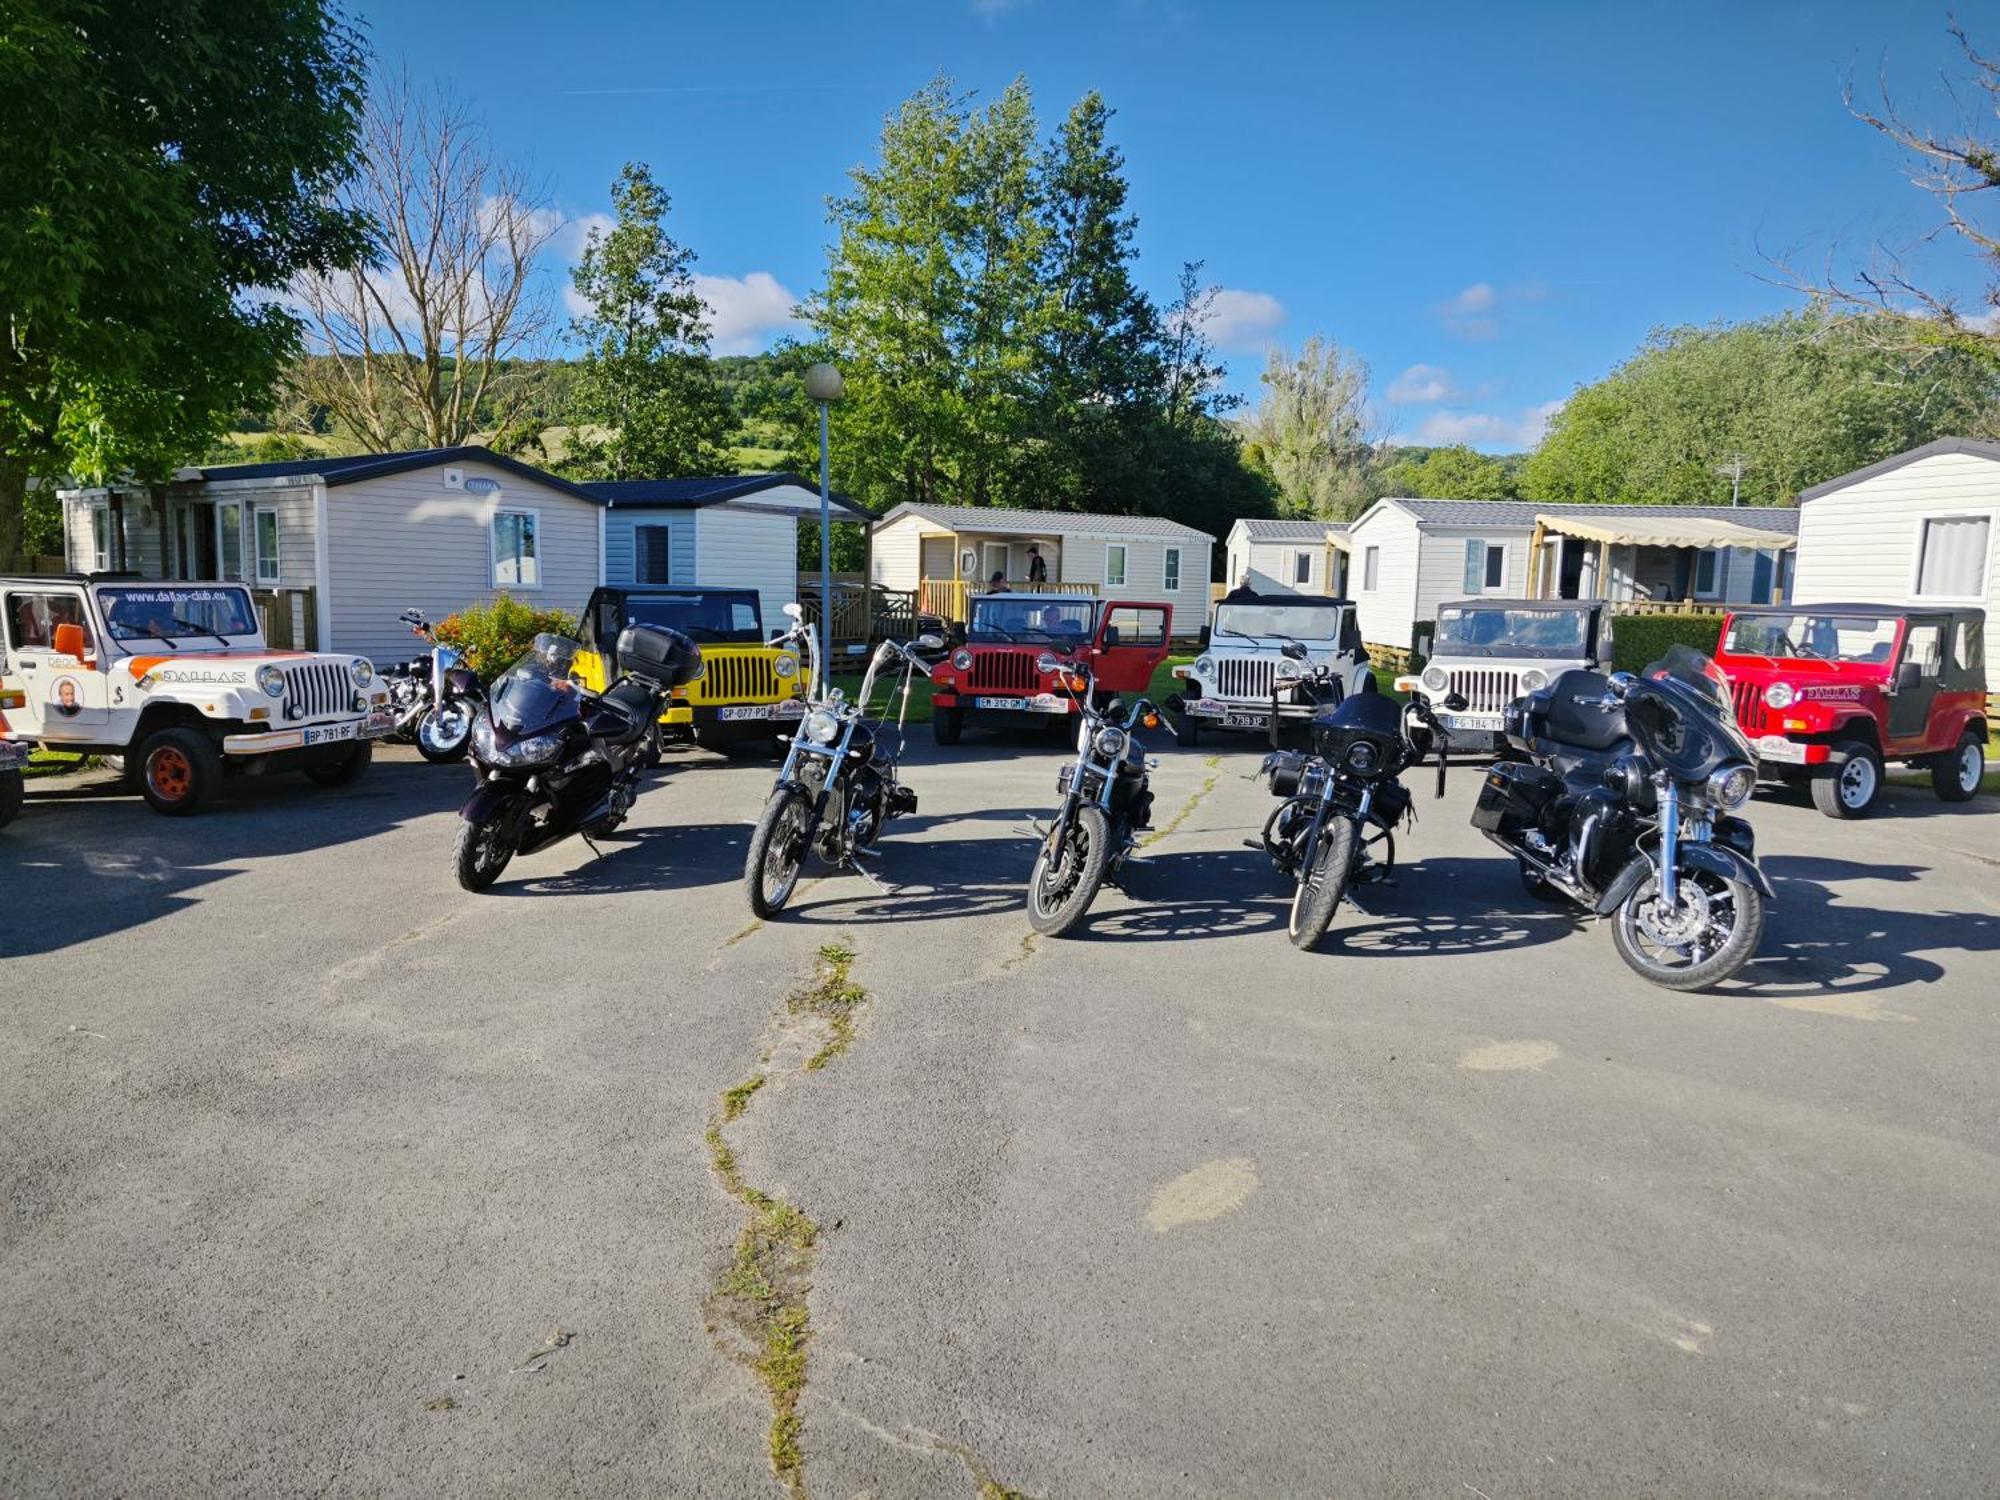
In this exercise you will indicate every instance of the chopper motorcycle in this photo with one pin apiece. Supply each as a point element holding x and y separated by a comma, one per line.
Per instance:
<point>1625,808</point>
<point>1343,796</point>
<point>838,786</point>
<point>434,695</point>
<point>1107,800</point>
<point>553,758</point>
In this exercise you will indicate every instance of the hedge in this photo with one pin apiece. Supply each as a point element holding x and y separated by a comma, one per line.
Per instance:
<point>495,636</point>
<point>1637,641</point>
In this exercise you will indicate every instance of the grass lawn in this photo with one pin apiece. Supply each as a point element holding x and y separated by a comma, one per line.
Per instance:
<point>55,763</point>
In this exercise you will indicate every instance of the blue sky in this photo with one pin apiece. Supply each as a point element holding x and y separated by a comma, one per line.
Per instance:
<point>1491,203</point>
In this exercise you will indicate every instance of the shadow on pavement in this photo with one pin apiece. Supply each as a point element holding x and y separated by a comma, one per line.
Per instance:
<point>674,858</point>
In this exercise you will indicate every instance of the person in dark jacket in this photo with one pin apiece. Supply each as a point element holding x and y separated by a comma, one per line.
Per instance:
<point>1038,571</point>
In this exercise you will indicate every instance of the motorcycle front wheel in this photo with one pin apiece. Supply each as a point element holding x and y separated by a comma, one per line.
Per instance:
<point>1712,933</point>
<point>483,849</point>
<point>1322,885</point>
<point>1060,891</point>
<point>443,731</point>
<point>777,848</point>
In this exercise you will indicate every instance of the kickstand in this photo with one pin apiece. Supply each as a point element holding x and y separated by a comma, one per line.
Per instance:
<point>868,875</point>
<point>593,843</point>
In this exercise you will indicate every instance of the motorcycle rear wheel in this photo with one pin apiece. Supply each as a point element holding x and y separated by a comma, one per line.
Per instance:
<point>1321,887</point>
<point>482,852</point>
<point>1730,925</point>
<point>777,849</point>
<point>1059,897</point>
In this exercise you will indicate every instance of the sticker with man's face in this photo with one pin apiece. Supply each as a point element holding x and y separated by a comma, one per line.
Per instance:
<point>66,697</point>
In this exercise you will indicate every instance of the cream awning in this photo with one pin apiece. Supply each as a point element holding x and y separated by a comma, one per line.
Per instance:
<point>1668,531</point>
<point>1338,542</point>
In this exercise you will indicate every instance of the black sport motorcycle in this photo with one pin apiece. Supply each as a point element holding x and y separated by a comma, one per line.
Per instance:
<point>553,758</point>
<point>1624,808</point>
<point>1107,799</point>
<point>838,786</point>
<point>1343,798</point>
<point>434,696</point>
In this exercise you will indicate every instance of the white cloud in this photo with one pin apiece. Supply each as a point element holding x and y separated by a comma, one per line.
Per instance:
<point>1480,429</point>
<point>1240,322</point>
<point>1477,312</point>
<point>743,312</point>
<point>1477,298</point>
<point>1420,385</point>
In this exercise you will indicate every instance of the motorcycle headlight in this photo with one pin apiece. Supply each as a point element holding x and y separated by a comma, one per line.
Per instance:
<point>1533,680</point>
<point>485,744</point>
<point>1780,695</point>
<point>786,665</point>
<point>1204,667</point>
<point>1363,756</point>
<point>1436,679</point>
<point>531,751</point>
<point>1111,742</point>
<point>364,672</point>
<point>271,680</point>
<point>1731,786</point>
<point>821,727</point>
<point>962,659</point>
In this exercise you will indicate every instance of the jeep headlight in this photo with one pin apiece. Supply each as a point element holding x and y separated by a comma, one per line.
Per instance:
<point>786,665</point>
<point>1533,680</point>
<point>1111,741</point>
<point>1780,695</point>
<point>271,680</point>
<point>1204,667</point>
<point>363,671</point>
<point>1436,679</point>
<point>821,727</point>
<point>962,659</point>
<point>1731,786</point>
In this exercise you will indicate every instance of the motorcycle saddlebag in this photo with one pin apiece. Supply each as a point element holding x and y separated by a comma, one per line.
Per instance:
<point>663,656</point>
<point>1285,768</point>
<point>1513,795</point>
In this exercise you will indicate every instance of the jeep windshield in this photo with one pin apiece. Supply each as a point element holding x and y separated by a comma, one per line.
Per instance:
<point>1295,622</point>
<point>700,614</point>
<point>1042,621</point>
<point>1514,630</point>
<point>190,619</point>
<point>1805,635</point>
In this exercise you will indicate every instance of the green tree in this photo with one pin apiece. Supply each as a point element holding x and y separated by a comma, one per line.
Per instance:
<point>1311,428</point>
<point>1454,473</point>
<point>164,163</point>
<point>1800,398</point>
<point>644,404</point>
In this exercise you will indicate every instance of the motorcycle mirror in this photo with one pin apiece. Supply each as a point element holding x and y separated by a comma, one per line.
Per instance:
<point>1294,649</point>
<point>930,643</point>
<point>1456,703</point>
<point>792,611</point>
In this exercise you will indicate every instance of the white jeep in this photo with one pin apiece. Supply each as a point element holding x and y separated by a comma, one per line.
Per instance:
<point>1492,651</point>
<point>1230,685</point>
<point>175,678</point>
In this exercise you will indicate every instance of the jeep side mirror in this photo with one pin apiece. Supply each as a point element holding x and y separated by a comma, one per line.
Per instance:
<point>72,641</point>
<point>1909,675</point>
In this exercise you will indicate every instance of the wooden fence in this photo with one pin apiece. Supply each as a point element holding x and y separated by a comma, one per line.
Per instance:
<point>862,613</point>
<point>290,617</point>
<point>951,598</point>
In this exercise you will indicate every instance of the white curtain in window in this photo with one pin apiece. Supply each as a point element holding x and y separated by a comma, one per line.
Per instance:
<point>516,560</point>
<point>1953,561</point>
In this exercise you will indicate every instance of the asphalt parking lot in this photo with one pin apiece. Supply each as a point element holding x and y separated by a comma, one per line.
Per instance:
<point>326,1178</point>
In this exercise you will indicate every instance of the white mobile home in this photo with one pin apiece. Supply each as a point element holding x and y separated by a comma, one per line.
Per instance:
<point>336,548</point>
<point>1288,557</point>
<point>1409,556</point>
<point>946,553</point>
<point>737,530</point>
<point>1920,528</point>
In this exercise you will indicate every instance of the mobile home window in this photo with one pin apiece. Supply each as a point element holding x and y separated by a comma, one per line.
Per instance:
<point>517,553</point>
<point>651,545</point>
<point>1170,572</point>
<point>264,523</point>
<point>1485,567</point>
<point>1951,557</point>
<point>1706,565</point>
<point>1302,567</point>
<point>100,538</point>
<point>1114,566</point>
<point>1371,564</point>
<point>229,540</point>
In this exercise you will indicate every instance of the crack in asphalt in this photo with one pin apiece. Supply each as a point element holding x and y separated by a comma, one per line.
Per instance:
<point>762,1295</point>
<point>929,1444</point>
<point>1214,764</point>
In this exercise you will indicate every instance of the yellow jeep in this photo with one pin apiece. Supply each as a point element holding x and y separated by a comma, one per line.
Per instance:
<point>747,691</point>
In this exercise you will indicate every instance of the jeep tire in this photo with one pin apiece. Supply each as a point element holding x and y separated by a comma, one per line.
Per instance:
<point>1954,777</point>
<point>348,768</point>
<point>13,792</point>
<point>179,770</point>
<point>1187,733</point>
<point>947,725</point>
<point>1852,783</point>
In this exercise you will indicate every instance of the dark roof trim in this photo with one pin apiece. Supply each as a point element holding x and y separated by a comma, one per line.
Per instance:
<point>693,492</point>
<point>1974,447</point>
<point>354,469</point>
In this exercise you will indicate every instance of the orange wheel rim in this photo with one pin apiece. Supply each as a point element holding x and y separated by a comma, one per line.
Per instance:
<point>170,773</point>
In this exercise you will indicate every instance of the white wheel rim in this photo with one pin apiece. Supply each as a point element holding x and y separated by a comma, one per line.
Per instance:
<point>1971,765</point>
<point>1857,781</point>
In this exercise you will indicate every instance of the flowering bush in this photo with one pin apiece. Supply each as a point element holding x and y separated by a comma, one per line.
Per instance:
<point>494,636</point>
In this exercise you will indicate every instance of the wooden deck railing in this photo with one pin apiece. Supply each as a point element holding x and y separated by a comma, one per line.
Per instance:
<point>950,598</point>
<point>864,613</point>
<point>290,617</point>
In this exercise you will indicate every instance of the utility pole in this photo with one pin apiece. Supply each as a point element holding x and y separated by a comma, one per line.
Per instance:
<point>1732,468</point>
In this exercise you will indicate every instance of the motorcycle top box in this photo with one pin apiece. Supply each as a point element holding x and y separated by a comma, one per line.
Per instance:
<point>663,656</point>
<point>1514,795</point>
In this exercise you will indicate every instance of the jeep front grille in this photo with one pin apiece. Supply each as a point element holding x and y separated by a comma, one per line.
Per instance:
<point>1486,690</point>
<point>733,677</point>
<point>1750,711</point>
<point>1245,678</point>
<point>1012,670</point>
<point>318,690</point>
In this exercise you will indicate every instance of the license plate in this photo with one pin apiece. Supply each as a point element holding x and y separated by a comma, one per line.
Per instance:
<point>378,725</point>
<point>791,708</point>
<point>1777,747</point>
<point>1471,721</point>
<point>327,734</point>
<point>1041,703</point>
<point>744,711</point>
<point>1246,721</point>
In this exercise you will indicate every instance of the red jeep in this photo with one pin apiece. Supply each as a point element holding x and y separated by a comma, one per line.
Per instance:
<point>1827,692</point>
<point>998,673</point>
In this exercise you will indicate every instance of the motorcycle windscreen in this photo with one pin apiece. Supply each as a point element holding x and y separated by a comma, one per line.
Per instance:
<point>1682,716</point>
<point>537,692</point>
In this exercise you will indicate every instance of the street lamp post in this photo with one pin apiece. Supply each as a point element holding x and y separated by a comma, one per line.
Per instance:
<point>824,385</point>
